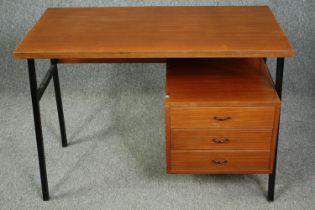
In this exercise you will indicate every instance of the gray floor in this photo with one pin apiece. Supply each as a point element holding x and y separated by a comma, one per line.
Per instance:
<point>116,157</point>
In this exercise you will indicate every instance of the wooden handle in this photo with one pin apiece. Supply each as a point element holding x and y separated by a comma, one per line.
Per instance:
<point>221,118</point>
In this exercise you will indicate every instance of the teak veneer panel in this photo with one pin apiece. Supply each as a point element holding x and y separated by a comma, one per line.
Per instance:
<point>237,161</point>
<point>220,139</point>
<point>240,92</point>
<point>219,82</point>
<point>239,117</point>
<point>155,32</point>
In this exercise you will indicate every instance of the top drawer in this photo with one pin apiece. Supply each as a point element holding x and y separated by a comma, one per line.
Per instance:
<point>223,117</point>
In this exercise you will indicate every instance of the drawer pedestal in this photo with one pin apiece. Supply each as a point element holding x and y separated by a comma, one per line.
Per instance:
<point>221,117</point>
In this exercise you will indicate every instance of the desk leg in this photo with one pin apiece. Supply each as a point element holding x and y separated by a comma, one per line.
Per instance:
<point>59,105</point>
<point>38,129</point>
<point>272,177</point>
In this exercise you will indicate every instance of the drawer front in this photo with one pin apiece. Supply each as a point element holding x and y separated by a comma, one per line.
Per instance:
<point>220,139</point>
<point>223,117</point>
<point>220,161</point>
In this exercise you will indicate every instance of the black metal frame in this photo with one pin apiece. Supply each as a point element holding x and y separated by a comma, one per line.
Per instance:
<point>278,86</point>
<point>37,94</point>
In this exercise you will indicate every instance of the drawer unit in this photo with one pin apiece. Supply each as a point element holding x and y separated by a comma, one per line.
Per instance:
<point>220,139</point>
<point>220,161</point>
<point>216,123</point>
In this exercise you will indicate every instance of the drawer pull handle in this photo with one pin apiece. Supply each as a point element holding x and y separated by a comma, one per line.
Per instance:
<point>220,140</point>
<point>221,118</point>
<point>219,162</point>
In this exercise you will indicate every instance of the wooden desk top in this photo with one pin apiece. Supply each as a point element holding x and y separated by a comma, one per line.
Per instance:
<point>155,32</point>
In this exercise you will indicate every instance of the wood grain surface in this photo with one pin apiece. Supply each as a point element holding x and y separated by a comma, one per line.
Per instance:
<point>231,161</point>
<point>155,32</point>
<point>222,116</point>
<point>220,139</point>
<point>219,82</point>
<point>232,117</point>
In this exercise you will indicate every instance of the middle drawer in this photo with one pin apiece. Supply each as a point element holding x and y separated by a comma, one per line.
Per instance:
<point>221,139</point>
<point>223,117</point>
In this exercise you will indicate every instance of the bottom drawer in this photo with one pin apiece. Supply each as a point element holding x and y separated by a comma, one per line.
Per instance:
<point>238,162</point>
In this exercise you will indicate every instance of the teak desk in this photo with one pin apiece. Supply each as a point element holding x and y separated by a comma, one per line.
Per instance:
<point>152,34</point>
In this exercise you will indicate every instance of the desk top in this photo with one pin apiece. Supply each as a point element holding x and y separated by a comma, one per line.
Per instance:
<point>155,32</point>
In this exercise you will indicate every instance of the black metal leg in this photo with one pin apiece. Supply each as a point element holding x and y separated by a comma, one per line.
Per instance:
<point>265,60</point>
<point>272,177</point>
<point>38,129</point>
<point>59,105</point>
<point>279,76</point>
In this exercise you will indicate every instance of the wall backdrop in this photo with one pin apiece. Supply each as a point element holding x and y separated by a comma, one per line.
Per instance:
<point>115,112</point>
<point>17,17</point>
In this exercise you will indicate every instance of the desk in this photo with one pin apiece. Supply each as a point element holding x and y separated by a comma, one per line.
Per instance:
<point>146,34</point>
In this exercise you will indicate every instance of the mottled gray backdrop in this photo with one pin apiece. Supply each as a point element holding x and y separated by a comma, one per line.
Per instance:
<point>114,117</point>
<point>17,17</point>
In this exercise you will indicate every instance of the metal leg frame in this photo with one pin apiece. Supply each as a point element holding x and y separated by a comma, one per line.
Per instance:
<point>272,177</point>
<point>59,105</point>
<point>36,94</point>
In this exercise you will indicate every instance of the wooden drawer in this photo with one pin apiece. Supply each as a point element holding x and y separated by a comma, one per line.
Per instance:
<point>195,162</point>
<point>223,117</point>
<point>220,139</point>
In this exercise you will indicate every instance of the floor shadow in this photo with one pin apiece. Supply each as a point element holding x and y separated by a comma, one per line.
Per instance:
<point>232,179</point>
<point>262,186</point>
<point>218,178</point>
<point>75,133</point>
<point>73,140</point>
<point>141,131</point>
<point>81,191</point>
<point>34,184</point>
<point>76,166</point>
<point>144,142</point>
<point>150,161</point>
